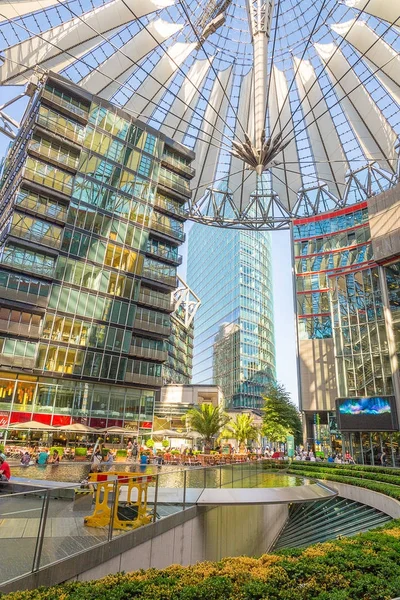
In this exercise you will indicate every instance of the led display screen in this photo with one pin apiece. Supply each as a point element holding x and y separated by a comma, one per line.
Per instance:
<point>374,413</point>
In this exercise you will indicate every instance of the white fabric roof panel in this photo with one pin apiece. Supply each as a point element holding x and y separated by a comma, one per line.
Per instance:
<point>120,64</point>
<point>375,136</point>
<point>214,116</point>
<point>380,57</point>
<point>285,183</point>
<point>238,174</point>
<point>152,89</point>
<point>331,164</point>
<point>19,8</point>
<point>165,68</point>
<point>66,37</point>
<point>181,111</point>
<point>388,10</point>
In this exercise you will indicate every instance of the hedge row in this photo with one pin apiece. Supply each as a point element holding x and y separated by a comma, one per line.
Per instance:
<point>391,490</point>
<point>365,567</point>
<point>338,466</point>
<point>393,479</point>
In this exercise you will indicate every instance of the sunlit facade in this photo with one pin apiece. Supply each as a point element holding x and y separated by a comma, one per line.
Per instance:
<point>91,212</point>
<point>234,335</point>
<point>348,314</point>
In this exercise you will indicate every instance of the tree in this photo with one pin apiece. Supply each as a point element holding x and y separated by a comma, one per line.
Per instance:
<point>207,420</point>
<point>241,429</point>
<point>280,416</point>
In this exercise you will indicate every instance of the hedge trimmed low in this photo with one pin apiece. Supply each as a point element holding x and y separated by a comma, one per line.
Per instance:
<point>365,567</point>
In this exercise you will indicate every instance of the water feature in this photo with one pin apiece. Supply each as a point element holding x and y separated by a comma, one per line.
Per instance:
<point>172,476</point>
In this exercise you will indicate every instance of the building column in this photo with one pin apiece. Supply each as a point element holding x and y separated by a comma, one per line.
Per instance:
<point>394,363</point>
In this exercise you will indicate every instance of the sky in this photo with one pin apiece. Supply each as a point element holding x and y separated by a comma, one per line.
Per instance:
<point>282,279</point>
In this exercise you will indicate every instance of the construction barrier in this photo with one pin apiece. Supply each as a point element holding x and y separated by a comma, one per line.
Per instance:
<point>129,514</point>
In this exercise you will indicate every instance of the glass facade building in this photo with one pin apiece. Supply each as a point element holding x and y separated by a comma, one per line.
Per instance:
<point>348,309</point>
<point>234,334</point>
<point>91,220</point>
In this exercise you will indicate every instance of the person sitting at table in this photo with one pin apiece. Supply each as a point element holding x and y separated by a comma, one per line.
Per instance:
<point>25,459</point>
<point>5,472</point>
<point>43,457</point>
<point>55,459</point>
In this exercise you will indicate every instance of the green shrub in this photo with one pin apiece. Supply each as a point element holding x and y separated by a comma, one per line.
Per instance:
<point>165,443</point>
<point>80,451</point>
<point>122,453</point>
<point>1,447</point>
<point>59,449</point>
<point>364,567</point>
<point>150,443</point>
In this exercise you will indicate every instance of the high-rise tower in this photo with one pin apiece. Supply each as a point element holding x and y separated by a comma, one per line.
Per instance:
<point>234,332</point>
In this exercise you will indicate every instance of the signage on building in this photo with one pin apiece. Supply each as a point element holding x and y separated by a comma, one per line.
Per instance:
<point>372,413</point>
<point>145,424</point>
<point>4,419</point>
<point>290,445</point>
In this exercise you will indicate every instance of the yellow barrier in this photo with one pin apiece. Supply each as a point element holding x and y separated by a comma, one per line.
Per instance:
<point>129,515</point>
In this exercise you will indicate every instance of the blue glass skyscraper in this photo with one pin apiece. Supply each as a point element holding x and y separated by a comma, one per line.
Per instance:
<point>234,332</point>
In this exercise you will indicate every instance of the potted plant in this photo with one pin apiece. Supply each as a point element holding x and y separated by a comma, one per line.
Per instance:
<point>80,454</point>
<point>150,443</point>
<point>165,443</point>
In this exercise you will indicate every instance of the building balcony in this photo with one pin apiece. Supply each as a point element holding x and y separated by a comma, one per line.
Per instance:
<point>31,202</point>
<point>56,129</point>
<point>168,280</point>
<point>32,236</point>
<point>149,353</point>
<point>20,362</point>
<point>170,256</point>
<point>182,189</point>
<point>62,185</point>
<point>72,109</point>
<point>19,328</point>
<point>160,330</point>
<point>167,230</point>
<point>169,206</point>
<point>143,380</point>
<point>149,300</point>
<point>176,165</point>
<point>54,155</point>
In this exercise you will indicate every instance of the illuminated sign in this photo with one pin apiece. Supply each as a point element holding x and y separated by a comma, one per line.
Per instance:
<point>373,413</point>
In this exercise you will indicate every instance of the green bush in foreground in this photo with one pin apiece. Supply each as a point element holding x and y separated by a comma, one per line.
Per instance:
<point>365,567</point>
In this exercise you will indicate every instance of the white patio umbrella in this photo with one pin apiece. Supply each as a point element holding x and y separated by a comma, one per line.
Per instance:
<point>168,433</point>
<point>78,428</point>
<point>33,426</point>
<point>193,435</point>
<point>118,430</point>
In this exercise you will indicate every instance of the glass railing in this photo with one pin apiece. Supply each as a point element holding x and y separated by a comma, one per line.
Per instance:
<point>170,206</point>
<point>56,154</point>
<point>170,160</point>
<point>75,134</point>
<point>180,187</point>
<point>149,353</point>
<point>157,226</point>
<point>33,236</point>
<point>165,253</point>
<point>112,503</point>
<point>66,103</point>
<point>41,205</point>
<point>154,301</point>
<point>155,275</point>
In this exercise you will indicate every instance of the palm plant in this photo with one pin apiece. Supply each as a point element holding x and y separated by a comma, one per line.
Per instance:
<point>207,420</point>
<point>242,429</point>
